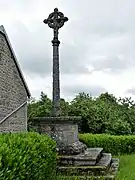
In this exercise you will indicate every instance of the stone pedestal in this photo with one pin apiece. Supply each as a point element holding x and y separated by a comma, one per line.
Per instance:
<point>64,130</point>
<point>74,158</point>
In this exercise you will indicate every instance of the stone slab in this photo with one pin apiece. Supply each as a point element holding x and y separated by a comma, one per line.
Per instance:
<point>89,157</point>
<point>82,170</point>
<point>90,154</point>
<point>107,177</point>
<point>57,120</point>
<point>101,168</point>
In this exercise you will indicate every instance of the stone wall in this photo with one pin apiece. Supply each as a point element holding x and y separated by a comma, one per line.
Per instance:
<point>17,122</point>
<point>12,90</point>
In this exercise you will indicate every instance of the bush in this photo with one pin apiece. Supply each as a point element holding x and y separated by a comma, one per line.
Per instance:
<point>116,145</point>
<point>25,156</point>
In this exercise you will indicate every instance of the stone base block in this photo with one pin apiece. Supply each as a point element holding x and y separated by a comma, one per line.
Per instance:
<point>74,157</point>
<point>64,130</point>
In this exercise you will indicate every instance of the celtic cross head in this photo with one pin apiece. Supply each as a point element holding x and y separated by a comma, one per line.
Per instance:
<point>56,19</point>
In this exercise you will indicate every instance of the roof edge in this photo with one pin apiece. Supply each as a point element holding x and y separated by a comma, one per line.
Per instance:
<point>3,31</point>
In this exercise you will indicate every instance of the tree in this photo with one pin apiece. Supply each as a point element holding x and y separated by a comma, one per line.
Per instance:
<point>80,106</point>
<point>64,107</point>
<point>40,108</point>
<point>103,114</point>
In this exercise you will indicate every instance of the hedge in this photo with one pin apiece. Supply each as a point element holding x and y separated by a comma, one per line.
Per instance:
<point>26,156</point>
<point>117,145</point>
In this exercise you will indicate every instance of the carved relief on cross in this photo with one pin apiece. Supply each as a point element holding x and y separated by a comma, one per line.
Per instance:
<point>55,21</point>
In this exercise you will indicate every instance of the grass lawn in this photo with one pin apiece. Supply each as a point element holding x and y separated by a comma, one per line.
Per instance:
<point>127,167</point>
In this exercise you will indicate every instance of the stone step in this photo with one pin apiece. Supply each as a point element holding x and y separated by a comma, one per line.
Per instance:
<point>114,166</point>
<point>105,160</point>
<point>106,177</point>
<point>100,168</point>
<point>89,158</point>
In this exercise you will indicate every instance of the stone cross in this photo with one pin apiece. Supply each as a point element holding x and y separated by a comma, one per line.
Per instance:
<point>55,21</point>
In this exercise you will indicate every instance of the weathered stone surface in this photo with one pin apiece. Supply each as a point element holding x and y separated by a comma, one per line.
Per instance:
<point>55,21</point>
<point>62,133</point>
<point>106,177</point>
<point>105,160</point>
<point>64,130</point>
<point>91,154</point>
<point>16,122</point>
<point>71,149</point>
<point>90,157</point>
<point>82,170</point>
<point>114,166</point>
<point>100,168</point>
<point>106,168</point>
<point>12,92</point>
<point>78,161</point>
<point>74,159</point>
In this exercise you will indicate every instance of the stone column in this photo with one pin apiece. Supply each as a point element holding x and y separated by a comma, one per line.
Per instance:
<point>56,78</point>
<point>55,21</point>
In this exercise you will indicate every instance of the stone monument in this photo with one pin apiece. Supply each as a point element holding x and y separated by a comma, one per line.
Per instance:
<point>55,21</point>
<point>74,157</point>
<point>63,129</point>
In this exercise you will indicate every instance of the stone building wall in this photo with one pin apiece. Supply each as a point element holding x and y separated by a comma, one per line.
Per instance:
<point>17,122</point>
<point>12,90</point>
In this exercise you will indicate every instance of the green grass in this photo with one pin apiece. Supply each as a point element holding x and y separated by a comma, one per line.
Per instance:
<point>127,167</point>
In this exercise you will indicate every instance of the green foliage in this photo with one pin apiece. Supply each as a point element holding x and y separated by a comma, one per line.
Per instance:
<point>103,114</point>
<point>113,144</point>
<point>40,108</point>
<point>25,156</point>
<point>64,107</point>
<point>43,107</point>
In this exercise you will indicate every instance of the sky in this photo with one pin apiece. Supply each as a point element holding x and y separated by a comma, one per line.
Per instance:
<point>97,49</point>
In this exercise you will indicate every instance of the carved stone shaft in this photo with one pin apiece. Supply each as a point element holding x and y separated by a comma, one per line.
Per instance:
<point>56,80</point>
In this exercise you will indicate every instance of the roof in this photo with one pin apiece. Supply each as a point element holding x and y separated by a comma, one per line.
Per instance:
<point>2,30</point>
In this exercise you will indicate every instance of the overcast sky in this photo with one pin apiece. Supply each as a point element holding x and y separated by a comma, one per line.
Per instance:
<point>97,50</point>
